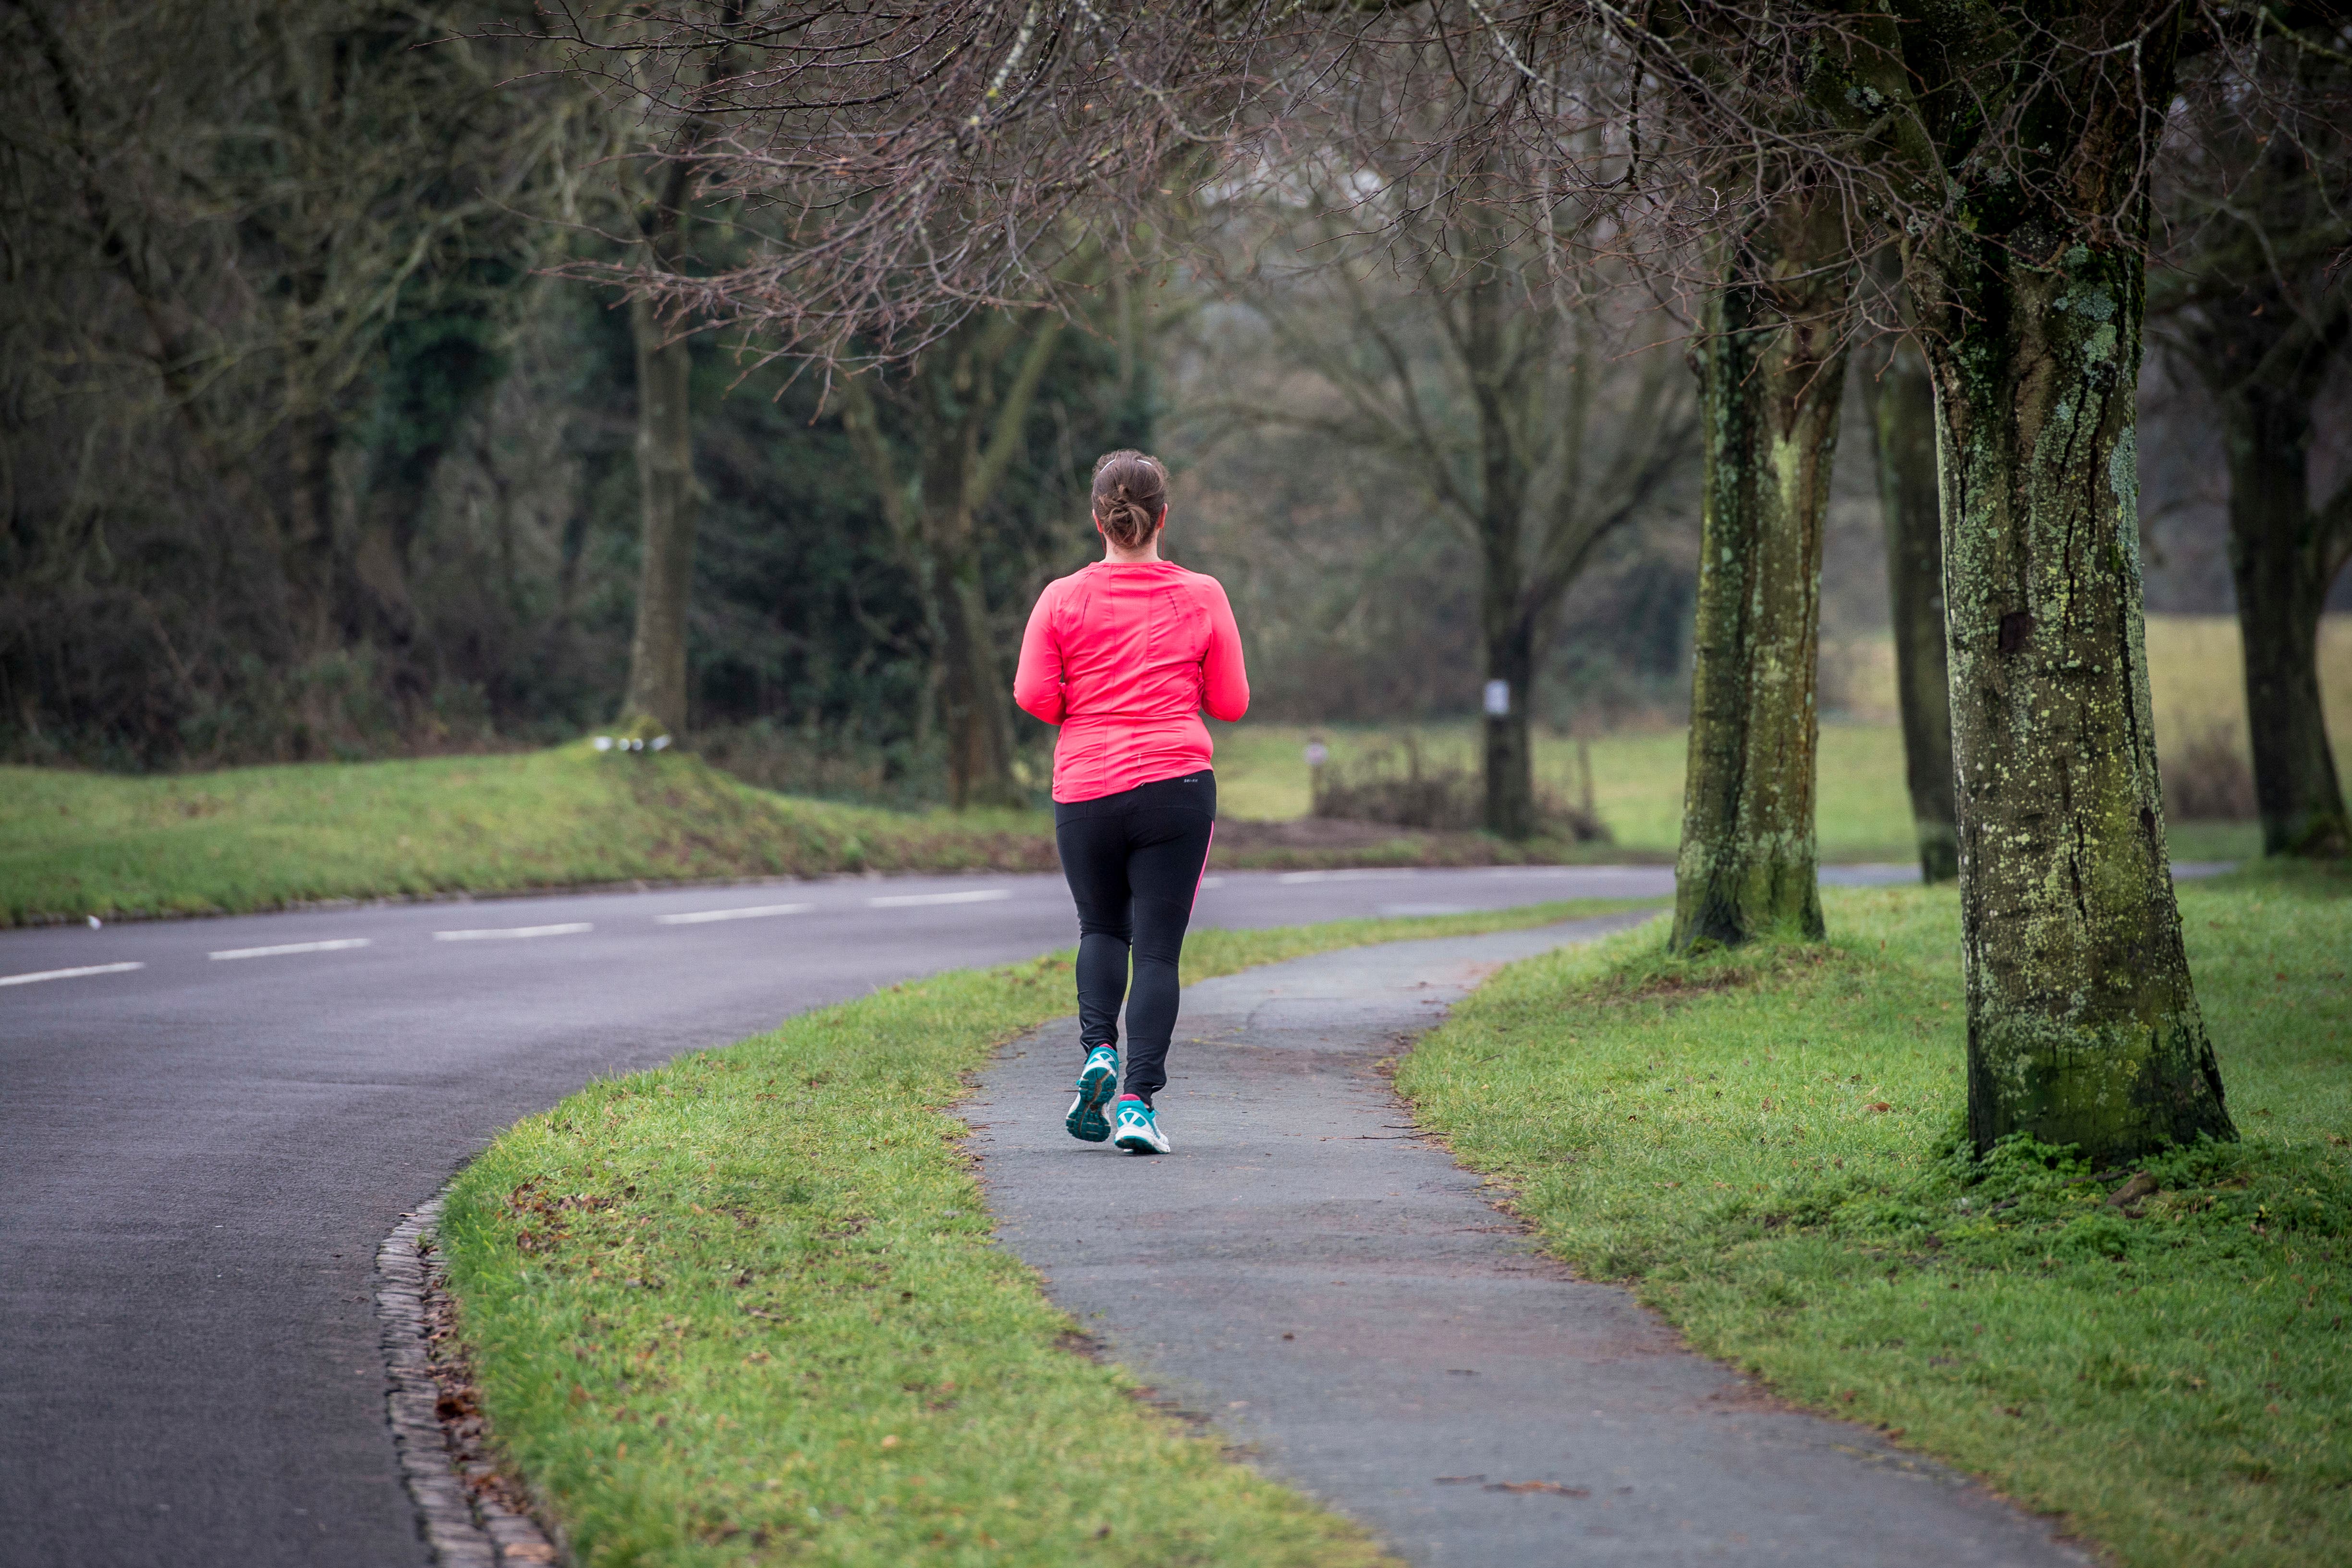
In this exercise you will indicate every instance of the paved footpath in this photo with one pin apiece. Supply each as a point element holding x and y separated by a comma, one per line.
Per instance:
<point>1339,1297</point>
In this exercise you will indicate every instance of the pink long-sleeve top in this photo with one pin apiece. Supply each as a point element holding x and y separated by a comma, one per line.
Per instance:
<point>1123,656</point>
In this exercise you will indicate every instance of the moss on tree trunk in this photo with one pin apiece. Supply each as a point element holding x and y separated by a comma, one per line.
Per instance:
<point>2083,1025</point>
<point>1903,427</point>
<point>1771,367</point>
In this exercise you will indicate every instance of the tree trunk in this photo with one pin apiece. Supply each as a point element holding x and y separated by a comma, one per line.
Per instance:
<point>978,706</point>
<point>2083,1025</point>
<point>1771,367</point>
<point>1507,761</point>
<point>2278,561</point>
<point>307,543</point>
<point>1508,758</point>
<point>657,691</point>
<point>975,707</point>
<point>1903,424</point>
<point>384,614</point>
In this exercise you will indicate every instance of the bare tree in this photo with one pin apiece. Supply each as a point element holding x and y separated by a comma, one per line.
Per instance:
<point>658,183</point>
<point>897,168</point>
<point>888,172</point>
<point>2008,148</point>
<point>1537,412</point>
<point>2253,294</point>
<point>964,405</point>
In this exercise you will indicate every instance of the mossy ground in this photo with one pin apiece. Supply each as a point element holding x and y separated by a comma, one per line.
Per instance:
<point>747,1306</point>
<point>1764,1143</point>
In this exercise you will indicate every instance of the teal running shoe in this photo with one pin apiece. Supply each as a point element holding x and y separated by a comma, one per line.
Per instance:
<point>1097,1081</point>
<point>1138,1129</point>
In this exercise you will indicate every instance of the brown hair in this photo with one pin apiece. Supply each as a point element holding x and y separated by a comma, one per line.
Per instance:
<point>1131,497</point>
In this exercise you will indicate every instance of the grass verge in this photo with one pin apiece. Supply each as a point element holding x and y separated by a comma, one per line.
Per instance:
<point>1764,1143</point>
<point>73,844</point>
<point>748,1306</point>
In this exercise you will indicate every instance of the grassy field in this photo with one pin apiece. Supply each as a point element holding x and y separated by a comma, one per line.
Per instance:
<point>748,1305</point>
<point>1763,1143</point>
<point>2195,670</point>
<point>1637,779</point>
<point>259,838</point>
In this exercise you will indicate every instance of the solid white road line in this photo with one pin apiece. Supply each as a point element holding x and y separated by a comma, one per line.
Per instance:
<point>915,900</point>
<point>574,929</point>
<point>67,974</point>
<point>336,945</point>
<point>756,912</point>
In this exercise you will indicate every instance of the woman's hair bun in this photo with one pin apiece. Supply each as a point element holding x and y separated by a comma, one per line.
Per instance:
<point>1130,495</point>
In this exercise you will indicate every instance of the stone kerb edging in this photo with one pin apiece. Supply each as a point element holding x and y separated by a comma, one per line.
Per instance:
<point>465,1522</point>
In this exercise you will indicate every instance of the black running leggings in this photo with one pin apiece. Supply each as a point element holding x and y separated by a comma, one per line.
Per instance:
<point>1134,862</point>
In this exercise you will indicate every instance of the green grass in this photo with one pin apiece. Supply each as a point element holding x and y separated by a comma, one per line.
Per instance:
<point>1864,811</point>
<point>1763,1142</point>
<point>260,838</point>
<point>1637,780</point>
<point>1863,808</point>
<point>747,1306</point>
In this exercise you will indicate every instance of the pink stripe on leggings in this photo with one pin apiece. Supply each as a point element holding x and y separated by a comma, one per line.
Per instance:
<point>1204,865</point>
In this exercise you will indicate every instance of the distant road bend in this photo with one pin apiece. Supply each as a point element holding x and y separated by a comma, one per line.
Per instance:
<point>207,1127</point>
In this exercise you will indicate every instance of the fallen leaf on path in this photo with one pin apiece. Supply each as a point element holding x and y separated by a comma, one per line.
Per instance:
<point>1552,1486</point>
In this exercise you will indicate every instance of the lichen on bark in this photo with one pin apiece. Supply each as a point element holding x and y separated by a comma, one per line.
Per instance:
<point>2084,1027</point>
<point>1772,368</point>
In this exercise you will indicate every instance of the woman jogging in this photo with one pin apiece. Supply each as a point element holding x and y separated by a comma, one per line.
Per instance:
<point>1123,655</point>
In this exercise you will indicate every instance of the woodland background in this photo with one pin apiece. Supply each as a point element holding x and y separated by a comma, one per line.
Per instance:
<point>314,444</point>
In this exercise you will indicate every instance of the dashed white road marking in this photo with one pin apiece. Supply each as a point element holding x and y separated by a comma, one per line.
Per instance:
<point>757,911</point>
<point>67,974</point>
<point>1213,882</point>
<point>913,900</point>
<point>572,929</point>
<point>1342,876</point>
<point>336,945</point>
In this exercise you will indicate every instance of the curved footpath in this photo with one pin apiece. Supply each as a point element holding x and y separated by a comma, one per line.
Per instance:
<point>1338,1297</point>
